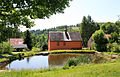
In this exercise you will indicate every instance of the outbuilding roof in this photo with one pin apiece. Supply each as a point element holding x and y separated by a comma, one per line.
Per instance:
<point>17,43</point>
<point>14,41</point>
<point>65,36</point>
<point>20,46</point>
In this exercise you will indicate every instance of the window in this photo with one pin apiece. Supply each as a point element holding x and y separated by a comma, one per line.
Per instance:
<point>57,43</point>
<point>64,43</point>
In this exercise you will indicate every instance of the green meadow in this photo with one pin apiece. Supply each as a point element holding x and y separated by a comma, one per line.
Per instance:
<point>111,69</point>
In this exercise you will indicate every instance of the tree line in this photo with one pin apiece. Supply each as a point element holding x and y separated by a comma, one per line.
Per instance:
<point>101,43</point>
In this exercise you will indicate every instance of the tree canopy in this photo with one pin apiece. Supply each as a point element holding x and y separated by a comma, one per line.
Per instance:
<point>87,28</point>
<point>100,40</point>
<point>109,28</point>
<point>19,12</point>
<point>14,13</point>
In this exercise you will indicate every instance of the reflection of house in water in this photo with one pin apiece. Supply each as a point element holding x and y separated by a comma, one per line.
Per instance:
<point>60,59</point>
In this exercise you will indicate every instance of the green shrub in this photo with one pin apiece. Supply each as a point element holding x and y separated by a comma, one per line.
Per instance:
<point>83,59</point>
<point>65,67</point>
<point>5,47</point>
<point>25,49</point>
<point>114,37</point>
<point>113,47</point>
<point>72,62</point>
<point>93,46</point>
<point>78,60</point>
<point>100,40</point>
<point>85,49</point>
<point>35,49</point>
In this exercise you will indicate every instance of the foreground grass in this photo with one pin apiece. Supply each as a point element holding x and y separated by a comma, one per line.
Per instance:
<point>89,70</point>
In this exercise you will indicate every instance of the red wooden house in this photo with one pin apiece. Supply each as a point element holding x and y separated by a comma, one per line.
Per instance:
<point>64,40</point>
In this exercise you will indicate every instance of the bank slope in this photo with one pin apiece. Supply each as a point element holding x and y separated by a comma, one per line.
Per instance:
<point>91,70</point>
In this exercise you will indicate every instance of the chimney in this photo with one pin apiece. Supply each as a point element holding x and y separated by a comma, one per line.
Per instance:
<point>66,34</point>
<point>65,31</point>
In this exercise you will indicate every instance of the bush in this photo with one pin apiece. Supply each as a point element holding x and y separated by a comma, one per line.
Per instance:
<point>79,60</point>
<point>35,49</point>
<point>113,47</point>
<point>72,62</point>
<point>114,37</point>
<point>100,40</point>
<point>65,67</point>
<point>93,46</point>
<point>85,49</point>
<point>83,59</point>
<point>25,49</point>
<point>5,47</point>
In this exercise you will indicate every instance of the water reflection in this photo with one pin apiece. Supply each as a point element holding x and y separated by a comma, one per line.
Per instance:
<point>28,59</point>
<point>34,62</point>
<point>60,59</point>
<point>37,62</point>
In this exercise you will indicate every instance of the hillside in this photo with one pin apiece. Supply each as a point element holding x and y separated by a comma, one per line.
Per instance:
<point>59,28</point>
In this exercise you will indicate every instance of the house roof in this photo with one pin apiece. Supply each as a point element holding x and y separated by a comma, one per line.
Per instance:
<point>14,41</point>
<point>107,35</point>
<point>17,43</point>
<point>65,36</point>
<point>19,46</point>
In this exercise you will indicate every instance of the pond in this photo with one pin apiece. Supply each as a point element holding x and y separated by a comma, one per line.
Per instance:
<point>37,62</point>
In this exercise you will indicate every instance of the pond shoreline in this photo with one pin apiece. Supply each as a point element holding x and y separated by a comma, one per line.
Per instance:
<point>8,61</point>
<point>41,53</point>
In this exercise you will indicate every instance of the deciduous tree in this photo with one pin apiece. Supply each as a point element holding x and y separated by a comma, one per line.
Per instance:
<point>14,13</point>
<point>100,40</point>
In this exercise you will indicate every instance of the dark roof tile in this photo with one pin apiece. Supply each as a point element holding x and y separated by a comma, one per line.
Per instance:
<point>61,36</point>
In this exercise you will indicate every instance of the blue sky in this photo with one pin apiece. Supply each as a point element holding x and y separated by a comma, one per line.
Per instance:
<point>99,10</point>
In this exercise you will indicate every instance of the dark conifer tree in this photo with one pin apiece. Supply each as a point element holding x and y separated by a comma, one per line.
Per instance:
<point>87,28</point>
<point>28,39</point>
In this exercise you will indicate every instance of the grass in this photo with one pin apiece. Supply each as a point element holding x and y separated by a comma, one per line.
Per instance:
<point>103,69</point>
<point>79,60</point>
<point>65,51</point>
<point>16,55</point>
<point>89,70</point>
<point>3,59</point>
<point>112,53</point>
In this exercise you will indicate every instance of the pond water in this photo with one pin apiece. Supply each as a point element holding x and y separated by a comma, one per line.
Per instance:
<point>37,62</point>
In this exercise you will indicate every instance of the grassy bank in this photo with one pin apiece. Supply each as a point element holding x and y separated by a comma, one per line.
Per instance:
<point>74,51</point>
<point>89,70</point>
<point>17,55</point>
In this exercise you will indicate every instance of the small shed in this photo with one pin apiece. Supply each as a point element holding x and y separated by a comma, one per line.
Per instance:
<point>17,43</point>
